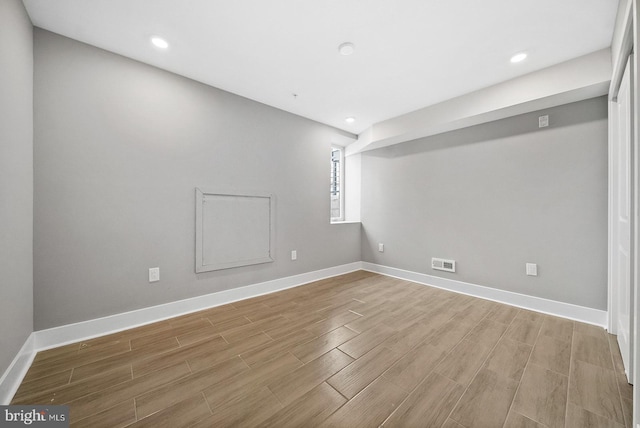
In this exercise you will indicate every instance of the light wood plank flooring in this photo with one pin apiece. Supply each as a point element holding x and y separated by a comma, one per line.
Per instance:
<point>359,350</point>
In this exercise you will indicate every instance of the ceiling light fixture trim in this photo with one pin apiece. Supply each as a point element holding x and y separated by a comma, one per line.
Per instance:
<point>346,48</point>
<point>159,42</point>
<point>519,57</point>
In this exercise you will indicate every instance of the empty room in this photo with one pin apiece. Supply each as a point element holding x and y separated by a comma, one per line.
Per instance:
<point>298,213</point>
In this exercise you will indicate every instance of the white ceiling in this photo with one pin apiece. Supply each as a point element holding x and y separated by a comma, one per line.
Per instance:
<point>409,53</point>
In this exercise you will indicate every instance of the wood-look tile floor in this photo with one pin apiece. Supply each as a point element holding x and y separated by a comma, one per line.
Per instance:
<point>359,350</point>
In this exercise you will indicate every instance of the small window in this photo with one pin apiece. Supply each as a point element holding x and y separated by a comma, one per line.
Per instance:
<point>336,185</point>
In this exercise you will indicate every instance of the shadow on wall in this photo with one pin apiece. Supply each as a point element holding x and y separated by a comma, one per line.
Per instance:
<point>504,128</point>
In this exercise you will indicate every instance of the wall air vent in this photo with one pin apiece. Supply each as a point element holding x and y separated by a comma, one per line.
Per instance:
<point>443,264</point>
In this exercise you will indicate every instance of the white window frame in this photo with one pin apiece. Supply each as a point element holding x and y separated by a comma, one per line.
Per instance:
<point>340,184</point>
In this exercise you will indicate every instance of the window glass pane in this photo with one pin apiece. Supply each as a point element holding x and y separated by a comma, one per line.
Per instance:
<point>336,183</point>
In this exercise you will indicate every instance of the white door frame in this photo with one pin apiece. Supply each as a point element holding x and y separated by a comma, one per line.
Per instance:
<point>629,40</point>
<point>622,218</point>
<point>626,48</point>
<point>612,311</point>
<point>635,102</point>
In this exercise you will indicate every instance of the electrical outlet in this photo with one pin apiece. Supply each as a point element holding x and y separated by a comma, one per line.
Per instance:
<point>294,255</point>
<point>532,269</point>
<point>381,247</point>
<point>154,274</point>
<point>543,121</point>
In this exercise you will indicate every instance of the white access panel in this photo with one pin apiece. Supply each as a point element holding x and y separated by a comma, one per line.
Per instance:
<point>233,229</point>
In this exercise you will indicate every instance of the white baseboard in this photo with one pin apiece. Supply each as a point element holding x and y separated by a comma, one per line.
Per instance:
<point>70,333</point>
<point>58,336</point>
<point>551,307</point>
<point>12,377</point>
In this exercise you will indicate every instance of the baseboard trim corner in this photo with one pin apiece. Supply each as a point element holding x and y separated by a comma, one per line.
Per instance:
<point>70,333</point>
<point>538,304</point>
<point>12,377</point>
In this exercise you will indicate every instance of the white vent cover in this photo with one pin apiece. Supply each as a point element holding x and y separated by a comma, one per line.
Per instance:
<point>443,264</point>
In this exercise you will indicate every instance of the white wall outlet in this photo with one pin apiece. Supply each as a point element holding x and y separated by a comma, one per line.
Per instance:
<point>381,247</point>
<point>532,269</point>
<point>294,255</point>
<point>154,274</point>
<point>543,121</point>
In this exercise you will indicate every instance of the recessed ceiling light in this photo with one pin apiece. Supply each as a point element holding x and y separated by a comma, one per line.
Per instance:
<point>346,48</point>
<point>159,42</point>
<point>518,57</point>
<point>350,119</point>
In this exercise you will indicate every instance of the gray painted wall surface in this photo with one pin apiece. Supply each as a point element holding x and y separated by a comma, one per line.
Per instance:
<point>16,179</point>
<point>494,197</point>
<point>120,147</point>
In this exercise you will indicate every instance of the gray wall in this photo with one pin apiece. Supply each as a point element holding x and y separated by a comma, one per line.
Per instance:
<point>16,179</point>
<point>494,197</point>
<point>120,147</point>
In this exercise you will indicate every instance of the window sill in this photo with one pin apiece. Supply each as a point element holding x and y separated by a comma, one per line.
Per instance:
<point>345,222</point>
